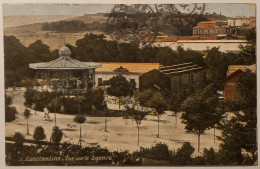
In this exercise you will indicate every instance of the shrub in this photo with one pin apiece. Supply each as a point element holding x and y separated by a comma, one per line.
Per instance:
<point>18,139</point>
<point>158,152</point>
<point>71,105</point>
<point>183,155</point>
<point>210,156</point>
<point>10,113</point>
<point>39,134</point>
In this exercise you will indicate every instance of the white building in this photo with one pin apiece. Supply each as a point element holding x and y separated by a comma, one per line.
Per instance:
<point>131,71</point>
<point>201,45</point>
<point>239,21</point>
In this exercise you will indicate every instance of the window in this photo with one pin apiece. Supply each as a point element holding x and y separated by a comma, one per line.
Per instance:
<point>132,80</point>
<point>99,81</point>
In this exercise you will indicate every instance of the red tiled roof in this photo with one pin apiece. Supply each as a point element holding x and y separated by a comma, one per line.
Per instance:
<point>206,24</point>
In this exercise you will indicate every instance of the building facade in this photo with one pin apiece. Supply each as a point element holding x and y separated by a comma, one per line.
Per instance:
<point>232,79</point>
<point>131,71</point>
<point>175,78</point>
<point>200,43</point>
<point>205,29</point>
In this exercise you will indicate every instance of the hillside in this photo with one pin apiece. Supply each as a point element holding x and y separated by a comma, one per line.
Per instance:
<point>14,21</point>
<point>28,29</point>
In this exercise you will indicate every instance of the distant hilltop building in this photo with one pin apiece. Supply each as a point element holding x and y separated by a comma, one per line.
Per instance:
<point>210,28</point>
<point>242,21</point>
<point>227,27</point>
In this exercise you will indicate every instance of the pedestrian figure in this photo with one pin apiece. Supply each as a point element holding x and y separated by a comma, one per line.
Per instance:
<point>46,113</point>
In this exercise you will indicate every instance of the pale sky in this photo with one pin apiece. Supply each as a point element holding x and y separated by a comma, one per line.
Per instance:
<point>230,10</point>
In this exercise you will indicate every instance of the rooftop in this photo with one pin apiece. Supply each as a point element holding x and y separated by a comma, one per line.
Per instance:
<point>108,67</point>
<point>180,68</point>
<point>64,62</point>
<point>233,68</point>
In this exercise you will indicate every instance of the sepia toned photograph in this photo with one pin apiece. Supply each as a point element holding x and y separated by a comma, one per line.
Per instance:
<point>130,84</point>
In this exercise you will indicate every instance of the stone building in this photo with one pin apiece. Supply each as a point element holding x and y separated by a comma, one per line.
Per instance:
<point>175,78</point>
<point>210,28</point>
<point>131,71</point>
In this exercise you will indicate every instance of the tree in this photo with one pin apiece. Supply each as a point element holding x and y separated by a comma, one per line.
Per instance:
<point>10,112</point>
<point>95,48</point>
<point>79,118</point>
<point>39,134</point>
<point>15,61</point>
<point>137,116</point>
<point>174,101</point>
<point>210,157</point>
<point>18,139</point>
<point>119,87</point>
<point>144,96</point>
<point>56,103</point>
<point>158,103</point>
<point>200,108</point>
<point>247,54</point>
<point>27,115</point>
<point>238,135</point>
<point>56,135</point>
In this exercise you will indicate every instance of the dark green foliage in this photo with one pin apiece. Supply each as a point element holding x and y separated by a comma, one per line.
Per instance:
<point>10,112</point>
<point>239,135</point>
<point>18,139</point>
<point>39,134</point>
<point>56,135</point>
<point>210,157</point>
<point>218,62</point>
<point>79,118</point>
<point>119,86</point>
<point>158,152</point>
<point>55,105</point>
<point>154,100</point>
<point>247,55</point>
<point>198,160</point>
<point>73,26</point>
<point>183,154</point>
<point>201,110</point>
<point>17,58</point>
<point>27,113</point>
<point>39,98</point>
<point>144,96</point>
<point>71,105</point>
<point>98,99</point>
<point>137,116</point>
<point>157,102</point>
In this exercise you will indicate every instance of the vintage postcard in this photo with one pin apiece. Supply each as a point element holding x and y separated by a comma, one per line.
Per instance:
<point>165,84</point>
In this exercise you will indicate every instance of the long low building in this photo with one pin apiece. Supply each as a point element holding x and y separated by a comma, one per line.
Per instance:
<point>131,71</point>
<point>201,44</point>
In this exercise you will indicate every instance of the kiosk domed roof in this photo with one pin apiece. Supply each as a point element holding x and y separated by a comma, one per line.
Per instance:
<point>64,51</point>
